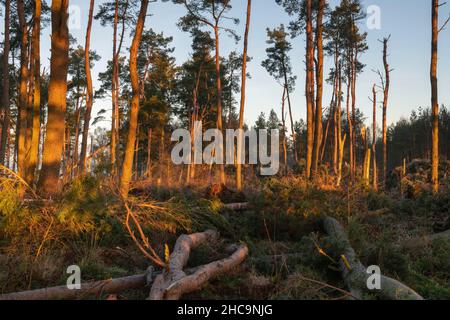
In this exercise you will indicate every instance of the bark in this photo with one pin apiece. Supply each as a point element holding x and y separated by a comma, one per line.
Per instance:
<point>174,282</point>
<point>57,90</point>
<point>36,117</point>
<point>22,95</point>
<point>283,120</point>
<point>341,140</point>
<point>114,91</point>
<point>434,98</point>
<point>243,88</point>
<point>385,106</point>
<point>5,110</point>
<point>319,92</point>
<point>87,289</point>
<point>90,92</point>
<point>309,88</point>
<point>219,99</point>
<point>374,142</point>
<point>354,273</point>
<point>127,166</point>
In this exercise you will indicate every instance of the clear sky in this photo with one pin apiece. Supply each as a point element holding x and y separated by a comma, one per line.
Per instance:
<point>408,22</point>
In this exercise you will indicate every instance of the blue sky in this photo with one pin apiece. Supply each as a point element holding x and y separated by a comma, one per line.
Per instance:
<point>408,22</point>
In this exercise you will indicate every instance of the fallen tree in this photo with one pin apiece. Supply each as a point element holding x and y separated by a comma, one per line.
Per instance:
<point>425,240</point>
<point>174,282</point>
<point>97,288</point>
<point>170,283</point>
<point>355,275</point>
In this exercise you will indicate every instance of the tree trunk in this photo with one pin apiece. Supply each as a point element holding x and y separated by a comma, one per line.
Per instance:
<point>385,106</point>
<point>309,87</point>
<point>114,91</point>
<point>434,98</point>
<point>5,112</point>
<point>283,100</point>
<point>319,83</point>
<point>374,141</point>
<point>36,122</point>
<point>242,106</point>
<point>90,92</point>
<point>57,90</point>
<point>22,95</point>
<point>127,167</point>
<point>219,101</point>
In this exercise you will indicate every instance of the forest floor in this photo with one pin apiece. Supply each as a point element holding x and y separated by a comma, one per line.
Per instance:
<point>290,256</point>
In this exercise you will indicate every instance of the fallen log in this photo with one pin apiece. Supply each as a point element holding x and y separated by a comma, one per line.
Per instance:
<point>174,282</point>
<point>237,206</point>
<point>97,288</point>
<point>425,240</point>
<point>354,273</point>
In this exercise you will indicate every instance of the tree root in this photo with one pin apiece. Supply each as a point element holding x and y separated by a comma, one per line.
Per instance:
<point>355,275</point>
<point>174,282</point>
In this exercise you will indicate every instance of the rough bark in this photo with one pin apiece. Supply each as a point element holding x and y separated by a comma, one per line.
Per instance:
<point>90,92</point>
<point>5,109</point>
<point>219,99</point>
<point>127,167</point>
<point>319,92</point>
<point>22,94</point>
<point>33,158</point>
<point>374,142</point>
<point>385,106</point>
<point>243,88</point>
<point>309,88</point>
<point>57,90</point>
<point>434,98</point>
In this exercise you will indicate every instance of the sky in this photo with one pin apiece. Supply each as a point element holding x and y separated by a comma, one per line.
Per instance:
<point>408,23</point>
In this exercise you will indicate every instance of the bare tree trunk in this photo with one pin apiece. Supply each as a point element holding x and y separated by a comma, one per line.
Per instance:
<point>318,134</point>
<point>57,90</point>
<point>283,100</point>
<point>309,87</point>
<point>22,95</point>
<point>36,119</point>
<point>5,110</point>
<point>385,106</point>
<point>242,106</point>
<point>149,154</point>
<point>374,141</point>
<point>219,100</point>
<point>434,97</point>
<point>350,127</point>
<point>127,166</point>
<point>90,92</point>
<point>341,140</point>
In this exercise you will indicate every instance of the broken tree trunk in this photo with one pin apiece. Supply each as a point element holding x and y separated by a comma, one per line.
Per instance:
<point>355,274</point>
<point>174,282</point>
<point>111,286</point>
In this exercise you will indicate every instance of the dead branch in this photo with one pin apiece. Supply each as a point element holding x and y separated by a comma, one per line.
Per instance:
<point>354,273</point>
<point>174,282</point>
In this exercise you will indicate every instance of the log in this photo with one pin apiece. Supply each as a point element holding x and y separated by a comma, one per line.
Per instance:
<point>97,288</point>
<point>425,240</point>
<point>174,282</point>
<point>237,206</point>
<point>354,272</point>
